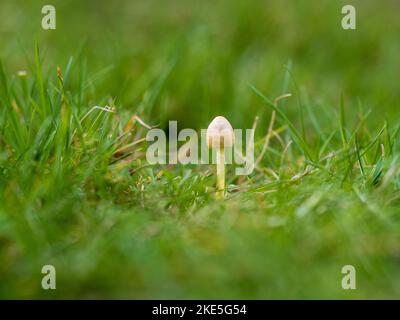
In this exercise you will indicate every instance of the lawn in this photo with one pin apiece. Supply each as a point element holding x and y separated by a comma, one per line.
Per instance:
<point>76,191</point>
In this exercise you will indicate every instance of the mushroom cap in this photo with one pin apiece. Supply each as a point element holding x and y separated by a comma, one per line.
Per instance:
<point>220,133</point>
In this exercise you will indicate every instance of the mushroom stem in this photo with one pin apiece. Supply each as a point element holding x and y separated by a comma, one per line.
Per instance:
<point>220,173</point>
<point>220,135</point>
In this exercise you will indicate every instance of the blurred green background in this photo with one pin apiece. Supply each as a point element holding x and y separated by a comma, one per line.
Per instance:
<point>211,50</point>
<point>190,61</point>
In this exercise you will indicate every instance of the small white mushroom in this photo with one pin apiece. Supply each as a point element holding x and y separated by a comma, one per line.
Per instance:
<point>220,136</point>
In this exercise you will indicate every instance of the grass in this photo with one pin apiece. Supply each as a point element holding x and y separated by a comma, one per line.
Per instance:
<point>76,191</point>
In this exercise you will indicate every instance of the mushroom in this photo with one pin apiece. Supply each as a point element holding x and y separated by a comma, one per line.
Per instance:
<point>220,136</point>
